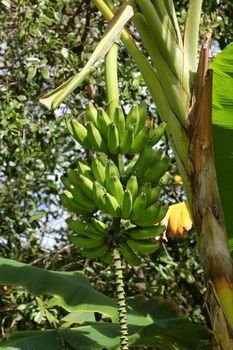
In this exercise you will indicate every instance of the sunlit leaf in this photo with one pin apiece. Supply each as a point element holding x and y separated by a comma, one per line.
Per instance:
<point>37,216</point>
<point>222,112</point>
<point>31,72</point>
<point>57,96</point>
<point>78,294</point>
<point>169,334</point>
<point>151,322</point>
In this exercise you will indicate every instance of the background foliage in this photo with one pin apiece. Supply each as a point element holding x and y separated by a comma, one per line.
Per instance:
<point>41,42</point>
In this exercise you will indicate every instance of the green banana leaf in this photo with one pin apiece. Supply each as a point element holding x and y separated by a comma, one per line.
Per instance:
<point>168,334</point>
<point>222,113</point>
<point>73,292</point>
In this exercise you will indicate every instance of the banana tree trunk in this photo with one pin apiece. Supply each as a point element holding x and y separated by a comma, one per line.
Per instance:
<point>206,207</point>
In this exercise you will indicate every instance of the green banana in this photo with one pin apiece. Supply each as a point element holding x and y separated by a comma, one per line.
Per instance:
<point>155,171</point>
<point>131,164</point>
<point>119,119</point>
<point>151,216</point>
<point>139,206</point>
<point>73,177</point>
<point>146,187</point>
<point>95,139</point>
<point>97,252</point>
<point>92,235</point>
<point>98,168</point>
<point>129,254</point>
<point>113,138</point>
<point>154,196</point>
<point>86,242</point>
<point>76,225</point>
<point>133,118</point>
<point>84,229</point>
<point>143,161</point>
<point>121,164</point>
<point>157,155</point>
<point>156,133</point>
<point>91,113</point>
<point>103,157</point>
<point>103,122</point>
<point>126,141</point>
<point>127,204</point>
<point>99,195</point>
<point>144,233</point>
<point>111,169</point>
<point>132,186</point>
<point>65,181</point>
<point>80,133</point>
<point>98,225</point>
<point>140,140</point>
<point>91,232</point>
<point>114,187</point>
<point>86,186</point>
<point>82,199</point>
<point>142,110</point>
<point>69,202</point>
<point>84,169</point>
<point>142,246</point>
<point>112,206</point>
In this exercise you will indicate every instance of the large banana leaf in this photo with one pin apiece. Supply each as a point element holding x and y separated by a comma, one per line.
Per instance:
<point>72,291</point>
<point>223,131</point>
<point>170,334</point>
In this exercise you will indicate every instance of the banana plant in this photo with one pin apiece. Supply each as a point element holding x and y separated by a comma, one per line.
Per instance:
<point>117,186</point>
<point>181,87</point>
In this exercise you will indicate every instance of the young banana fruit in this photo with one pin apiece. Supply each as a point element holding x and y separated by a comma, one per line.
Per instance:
<point>120,181</point>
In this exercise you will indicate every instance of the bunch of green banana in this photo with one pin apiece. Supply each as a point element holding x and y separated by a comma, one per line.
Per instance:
<point>149,166</point>
<point>139,241</point>
<point>145,211</point>
<point>99,187</point>
<point>124,189</point>
<point>78,194</point>
<point>137,130</point>
<point>125,135</point>
<point>92,238</point>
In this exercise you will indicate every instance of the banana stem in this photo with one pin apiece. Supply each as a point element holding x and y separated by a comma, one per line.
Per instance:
<point>121,300</point>
<point>111,79</point>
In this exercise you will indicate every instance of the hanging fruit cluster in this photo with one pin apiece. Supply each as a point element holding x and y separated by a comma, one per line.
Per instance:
<point>122,180</point>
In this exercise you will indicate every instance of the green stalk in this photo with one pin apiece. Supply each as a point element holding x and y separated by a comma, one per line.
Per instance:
<point>167,22</point>
<point>111,79</point>
<point>169,5</point>
<point>121,300</point>
<point>57,96</point>
<point>168,46</point>
<point>178,98</point>
<point>191,36</point>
